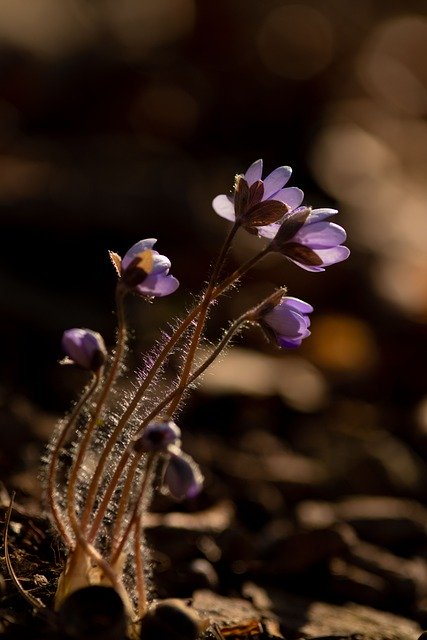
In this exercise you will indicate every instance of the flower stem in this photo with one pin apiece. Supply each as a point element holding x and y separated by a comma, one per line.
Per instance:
<point>204,306</point>
<point>158,363</point>
<point>138,507</point>
<point>135,462</point>
<point>91,427</point>
<point>54,459</point>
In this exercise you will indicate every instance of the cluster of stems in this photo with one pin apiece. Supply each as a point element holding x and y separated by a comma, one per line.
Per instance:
<point>98,494</point>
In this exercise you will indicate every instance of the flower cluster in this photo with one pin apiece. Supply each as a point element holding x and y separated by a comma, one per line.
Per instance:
<point>132,440</point>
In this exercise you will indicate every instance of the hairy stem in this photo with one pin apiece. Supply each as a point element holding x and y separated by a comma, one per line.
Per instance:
<point>128,452</point>
<point>54,459</point>
<point>158,363</point>
<point>197,334</point>
<point>91,427</point>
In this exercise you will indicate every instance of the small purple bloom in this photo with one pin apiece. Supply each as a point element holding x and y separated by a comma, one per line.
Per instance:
<point>308,239</point>
<point>157,437</point>
<point>182,476</point>
<point>288,322</point>
<point>257,202</point>
<point>85,348</point>
<point>146,272</point>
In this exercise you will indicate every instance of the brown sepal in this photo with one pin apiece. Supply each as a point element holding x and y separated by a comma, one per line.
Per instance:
<point>256,192</point>
<point>116,261</point>
<point>265,213</point>
<point>241,197</point>
<point>290,227</point>
<point>302,254</point>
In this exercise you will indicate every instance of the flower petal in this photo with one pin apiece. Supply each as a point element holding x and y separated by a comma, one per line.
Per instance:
<point>291,343</point>
<point>292,196</point>
<point>320,235</point>
<point>182,476</point>
<point>333,255</point>
<point>298,305</point>
<point>223,205</point>
<point>157,285</point>
<point>286,322</point>
<point>328,257</point>
<point>161,264</point>
<point>317,215</point>
<point>139,247</point>
<point>276,180</point>
<point>254,172</point>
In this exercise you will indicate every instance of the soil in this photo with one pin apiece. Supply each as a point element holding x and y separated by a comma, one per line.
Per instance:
<point>284,542</point>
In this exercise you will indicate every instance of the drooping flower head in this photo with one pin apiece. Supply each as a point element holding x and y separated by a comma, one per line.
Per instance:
<point>144,270</point>
<point>257,202</point>
<point>182,476</point>
<point>85,348</point>
<point>157,437</point>
<point>307,238</point>
<point>287,323</point>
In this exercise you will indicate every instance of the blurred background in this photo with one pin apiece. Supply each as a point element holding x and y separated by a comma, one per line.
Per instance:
<point>122,120</point>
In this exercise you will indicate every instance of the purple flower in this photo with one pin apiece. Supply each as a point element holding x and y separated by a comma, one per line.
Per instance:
<point>145,271</point>
<point>306,237</point>
<point>288,322</point>
<point>157,437</point>
<point>258,202</point>
<point>85,348</point>
<point>182,476</point>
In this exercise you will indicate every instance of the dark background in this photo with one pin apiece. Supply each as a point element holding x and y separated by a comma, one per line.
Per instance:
<point>122,120</point>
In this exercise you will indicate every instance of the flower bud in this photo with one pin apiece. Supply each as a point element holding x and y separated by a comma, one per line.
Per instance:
<point>85,348</point>
<point>182,476</point>
<point>157,437</point>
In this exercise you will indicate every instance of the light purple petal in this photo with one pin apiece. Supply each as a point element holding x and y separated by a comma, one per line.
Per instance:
<point>318,215</point>
<point>157,285</point>
<point>224,207</point>
<point>269,231</point>
<point>84,347</point>
<point>291,343</point>
<point>140,246</point>
<point>254,172</point>
<point>320,235</point>
<point>161,264</point>
<point>276,180</point>
<point>307,267</point>
<point>333,255</point>
<point>328,257</point>
<point>286,322</point>
<point>297,304</point>
<point>292,196</point>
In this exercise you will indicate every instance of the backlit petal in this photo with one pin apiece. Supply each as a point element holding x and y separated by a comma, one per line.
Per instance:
<point>224,207</point>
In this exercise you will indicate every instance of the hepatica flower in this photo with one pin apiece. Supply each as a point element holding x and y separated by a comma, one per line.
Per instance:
<point>182,476</point>
<point>287,323</point>
<point>145,271</point>
<point>157,437</point>
<point>306,237</point>
<point>257,202</point>
<point>85,348</point>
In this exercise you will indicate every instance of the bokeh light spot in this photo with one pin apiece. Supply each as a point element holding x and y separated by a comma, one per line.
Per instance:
<point>295,41</point>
